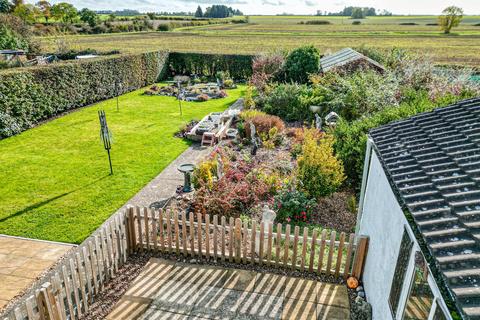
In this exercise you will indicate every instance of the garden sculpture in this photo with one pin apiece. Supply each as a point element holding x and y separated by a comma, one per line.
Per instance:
<point>220,167</point>
<point>268,217</point>
<point>331,119</point>
<point>105,136</point>
<point>318,121</point>
<point>253,135</point>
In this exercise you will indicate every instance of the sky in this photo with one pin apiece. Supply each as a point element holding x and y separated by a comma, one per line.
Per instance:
<point>252,7</point>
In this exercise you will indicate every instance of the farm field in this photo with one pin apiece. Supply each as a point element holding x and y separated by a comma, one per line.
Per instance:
<point>267,33</point>
<point>56,177</point>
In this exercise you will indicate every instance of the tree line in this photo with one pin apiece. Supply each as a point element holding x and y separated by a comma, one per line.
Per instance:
<point>217,11</point>
<point>356,12</point>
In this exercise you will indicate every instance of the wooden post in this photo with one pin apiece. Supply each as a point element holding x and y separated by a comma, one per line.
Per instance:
<point>147,227</point>
<point>192,234</point>
<point>68,292</point>
<point>223,221</point>
<point>154,229</point>
<point>245,242</point>
<point>238,240</point>
<point>278,243</point>
<point>140,231</point>
<point>160,224</point>
<point>262,242</point>
<point>177,233</point>
<point>199,234</point>
<point>231,230</point>
<point>184,233</point>
<point>169,230</point>
<point>331,249</point>
<point>269,243</point>
<point>360,255</point>
<point>131,226</point>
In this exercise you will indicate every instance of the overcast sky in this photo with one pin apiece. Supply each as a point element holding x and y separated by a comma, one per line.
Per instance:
<point>280,6</point>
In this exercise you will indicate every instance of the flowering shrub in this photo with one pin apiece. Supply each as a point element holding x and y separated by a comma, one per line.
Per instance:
<point>320,173</point>
<point>293,206</point>
<point>202,97</point>
<point>265,69</point>
<point>264,123</point>
<point>204,173</point>
<point>247,115</point>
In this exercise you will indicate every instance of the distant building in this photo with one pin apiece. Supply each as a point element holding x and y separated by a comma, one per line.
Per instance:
<point>420,206</point>
<point>348,59</point>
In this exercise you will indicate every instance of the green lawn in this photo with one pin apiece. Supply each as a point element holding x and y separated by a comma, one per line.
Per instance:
<point>55,178</point>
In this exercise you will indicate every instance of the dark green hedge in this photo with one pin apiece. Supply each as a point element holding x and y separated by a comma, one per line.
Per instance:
<point>30,95</point>
<point>238,66</point>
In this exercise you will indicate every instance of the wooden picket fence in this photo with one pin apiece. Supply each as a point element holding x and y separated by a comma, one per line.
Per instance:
<point>199,236</point>
<point>69,289</point>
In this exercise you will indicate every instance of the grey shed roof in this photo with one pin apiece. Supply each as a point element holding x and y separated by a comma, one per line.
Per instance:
<point>345,57</point>
<point>433,163</point>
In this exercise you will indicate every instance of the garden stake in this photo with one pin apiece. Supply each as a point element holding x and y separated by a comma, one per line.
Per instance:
<point>106,136</point>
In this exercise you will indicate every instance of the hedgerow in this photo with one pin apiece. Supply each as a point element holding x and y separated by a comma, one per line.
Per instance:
<point>30,95</point>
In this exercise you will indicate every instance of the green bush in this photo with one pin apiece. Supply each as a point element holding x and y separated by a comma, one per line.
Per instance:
<point>320,173</point>
<point>30,95</point>
<point>351,137</point>
<point>237,66</point>
<point>293,206</point>
<point>285,101</point>
<point>302,62</point>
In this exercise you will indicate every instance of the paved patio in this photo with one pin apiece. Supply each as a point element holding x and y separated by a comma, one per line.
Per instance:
<point>22,261</point>
<point>169,290</point>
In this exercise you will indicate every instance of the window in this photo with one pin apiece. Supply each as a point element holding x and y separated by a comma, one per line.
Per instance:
<point>400,270</point>
<point>420,298</point>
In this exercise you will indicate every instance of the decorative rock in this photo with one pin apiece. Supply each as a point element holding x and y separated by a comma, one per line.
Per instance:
<point>361,294</point>
<point>361,309</point>
<point>359,288</point>
<point>193,261</point>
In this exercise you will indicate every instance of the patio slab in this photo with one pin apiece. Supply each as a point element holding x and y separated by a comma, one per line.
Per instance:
<point>169,290</point>
<point>22,261</point>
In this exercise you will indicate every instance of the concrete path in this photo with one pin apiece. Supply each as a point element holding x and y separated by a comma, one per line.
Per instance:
<point>22,261</point>
<point>166,183</point>
<point>170,290</point>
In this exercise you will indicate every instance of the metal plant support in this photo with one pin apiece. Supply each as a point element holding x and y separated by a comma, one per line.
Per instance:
<point>180,95</point>
<point>105,136</point>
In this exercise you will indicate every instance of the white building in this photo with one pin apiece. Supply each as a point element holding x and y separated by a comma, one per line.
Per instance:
<point>420,206</point>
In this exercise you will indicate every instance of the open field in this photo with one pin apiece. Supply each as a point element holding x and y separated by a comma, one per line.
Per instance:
<point>56,182</point>
<point>267,33</point>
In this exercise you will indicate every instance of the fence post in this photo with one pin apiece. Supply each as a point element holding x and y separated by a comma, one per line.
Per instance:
<point>131,231</point>
<point>238,240</point>
<point>360,255</point>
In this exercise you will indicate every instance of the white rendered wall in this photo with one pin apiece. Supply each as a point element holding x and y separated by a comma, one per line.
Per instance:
<point>383,220</point>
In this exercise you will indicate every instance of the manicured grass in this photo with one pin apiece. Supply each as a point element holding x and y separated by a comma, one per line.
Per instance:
<point>55,178</point>
<point>270,33</point>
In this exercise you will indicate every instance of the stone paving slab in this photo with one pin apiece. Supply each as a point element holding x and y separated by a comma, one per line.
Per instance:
<point>22,261</point>
<point>169,290</point>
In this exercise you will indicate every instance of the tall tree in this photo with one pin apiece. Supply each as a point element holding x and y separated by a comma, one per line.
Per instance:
<point>64,12</point>
<point>45,8</point>
<point>199,12</point>
<point>357,13</point>
<point>88,16</point>
<point>450,18</point>
<point>27,12</point>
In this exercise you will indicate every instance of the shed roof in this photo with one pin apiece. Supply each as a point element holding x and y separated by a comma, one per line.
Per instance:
<point>433,163</point>
<point>345,57</point>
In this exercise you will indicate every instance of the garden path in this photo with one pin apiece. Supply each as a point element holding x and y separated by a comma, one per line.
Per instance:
<point>165,184</point>
<point>174,290</point>
<point>22,261</point>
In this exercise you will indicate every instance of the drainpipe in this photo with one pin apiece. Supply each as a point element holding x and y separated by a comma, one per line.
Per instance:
<point>366,169</point>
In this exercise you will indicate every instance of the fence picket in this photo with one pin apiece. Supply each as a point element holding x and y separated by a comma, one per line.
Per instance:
<point>207,235</point>
<point>147,229</point>
<point>192,232</point>
<point>304,248</point>
<point>169,231</point>
<point>88,274</point>
<point>81,281</point>
<point>245,242</point>
<point>29,307</point>
<point>322,250</point>
<point>177,234</point>
<point>312,250</point>
<point>359,259</point>
<point>100,261</point>
<point>261,242</point>
<point>160,224</point>
<point>93,266</point>
<point>215,237</point>
<point>199,234</point>
<point>331,249</point>
<point>340,254</point>
<point>238,240</point>
<point>348,259</point>
<point>184,233</point>
<point>75,286</point>
<point>295,247</point>
<point>231,227</point>
<point>269,243</point>
<point>154,229</point>
<point>223,222</point>
<point>278,244</point>
<point>253,245</point>
<point>287,245</point>
<point>131,227</point>
<point>68,292</point>
<point>59,296</point>
<point>140,229</point>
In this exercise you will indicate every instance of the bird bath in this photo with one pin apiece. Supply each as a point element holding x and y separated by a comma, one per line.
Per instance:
<point>187,170</point>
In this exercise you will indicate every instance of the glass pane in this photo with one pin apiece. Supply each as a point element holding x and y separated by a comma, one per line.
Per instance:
<point>421,297</point>
<point>439,315</point>
<point>400,270</point>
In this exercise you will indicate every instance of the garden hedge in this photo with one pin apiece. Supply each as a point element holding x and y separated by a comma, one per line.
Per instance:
<point>238,66</point>
<point>30,95</point>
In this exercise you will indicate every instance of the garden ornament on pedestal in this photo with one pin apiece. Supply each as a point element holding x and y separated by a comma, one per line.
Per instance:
<point>318,121</point>
<point>187,170</point>
<point>268,217</point>
<point>220,167</point>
